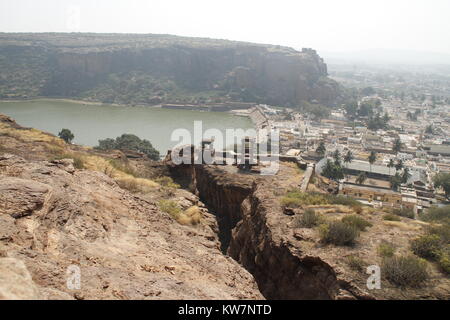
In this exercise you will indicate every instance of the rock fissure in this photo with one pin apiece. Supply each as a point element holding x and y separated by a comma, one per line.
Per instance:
<point>253,232</point>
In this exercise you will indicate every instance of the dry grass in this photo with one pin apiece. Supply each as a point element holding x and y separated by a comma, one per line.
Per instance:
<point>356,263</point>
<point>190,216</point>
<point>78,159</point>
<point>405,271</point>
<point>30,135</point>
<point>402,225</point>
<point>385,250</point>
<point>338,233</point>
<point>124,179</point>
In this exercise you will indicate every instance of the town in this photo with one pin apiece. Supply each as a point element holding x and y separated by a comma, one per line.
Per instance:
<point>384,152</point>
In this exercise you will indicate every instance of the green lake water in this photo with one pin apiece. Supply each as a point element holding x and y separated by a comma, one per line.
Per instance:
<point>89,123</point>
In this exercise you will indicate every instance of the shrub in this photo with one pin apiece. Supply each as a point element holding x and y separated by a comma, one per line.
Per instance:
<point>124,167</point>
<point>129,142</point>
<point>170,207</point>
<point>296,198</point>
<point>391,217</point>
<point>437,214</point>
<point>66,135</point>
<point>356,221</point>
<point>443,231</point>
<point>191,216</point>
<point>356,264</point>
<point>404,212</point>
<point>129,184</point>
<point>444,261</point>
<point>338,233</point>
<point>308,219</point>
<point>427,246</point>
<point>357,209</point>
<point>385,250</point>
<point>346,201</point>
<point>291,202</point>
<point>405,271</point>
<point>166,181</point>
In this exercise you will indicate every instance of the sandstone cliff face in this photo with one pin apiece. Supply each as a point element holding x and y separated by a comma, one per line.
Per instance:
<point>82,66</point>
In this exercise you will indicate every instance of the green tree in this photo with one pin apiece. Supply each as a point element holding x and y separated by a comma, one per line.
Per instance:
<point>333,171</point>
<point>351,109</point>
<point>429,129</point>
<point>362,177</point>
<point>66,135</point>
<point>399,165</point>
<point>372,158</point>
<point>337,157</point>
<point>405,175</point>
<point>397,146</point>
<point>348,158</point>
<point>395,181</point>
<point>365,109</point>
<point>390,165</point>
<point>321,148</point>
<point>442,180</point>
<point>328,169</point>
<point>386,119</point>
<point>318,111</point>
<point>129,142</point>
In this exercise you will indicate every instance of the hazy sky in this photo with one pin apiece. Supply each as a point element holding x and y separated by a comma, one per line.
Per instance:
<point>330,25</point>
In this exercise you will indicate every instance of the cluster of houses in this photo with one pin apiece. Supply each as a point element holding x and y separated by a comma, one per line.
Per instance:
<point>424,151</point>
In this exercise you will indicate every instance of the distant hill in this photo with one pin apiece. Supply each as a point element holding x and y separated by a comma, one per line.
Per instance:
<point>152,69</point>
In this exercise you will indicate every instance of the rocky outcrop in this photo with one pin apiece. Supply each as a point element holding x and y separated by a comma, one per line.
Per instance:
<point>96,66</point>
<point>16,282</point>
<point>261,243</point>
<point>53,217</point>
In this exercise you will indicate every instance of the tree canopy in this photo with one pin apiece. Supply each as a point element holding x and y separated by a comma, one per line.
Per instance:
<point>66,135</point>
<point>333,171</point>
<point>442,180</point>
<point>321,148</point>
<point>129,142</point>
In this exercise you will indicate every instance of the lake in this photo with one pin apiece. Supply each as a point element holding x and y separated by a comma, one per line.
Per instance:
<point>89,123</point>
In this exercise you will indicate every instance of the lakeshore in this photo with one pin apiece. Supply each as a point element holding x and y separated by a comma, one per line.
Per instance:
<point>91,121</point>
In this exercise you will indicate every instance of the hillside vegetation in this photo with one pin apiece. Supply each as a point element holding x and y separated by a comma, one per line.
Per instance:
<point>152,69</point>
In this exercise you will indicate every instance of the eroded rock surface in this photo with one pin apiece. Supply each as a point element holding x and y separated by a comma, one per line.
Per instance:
<point>52,217</point>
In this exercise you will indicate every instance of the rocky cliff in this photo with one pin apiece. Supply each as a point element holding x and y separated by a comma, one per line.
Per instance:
<point>150,69</point>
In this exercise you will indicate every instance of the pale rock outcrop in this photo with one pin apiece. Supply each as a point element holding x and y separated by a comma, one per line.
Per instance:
<point>16,282</point>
